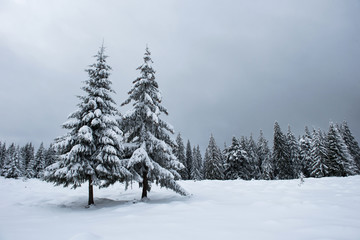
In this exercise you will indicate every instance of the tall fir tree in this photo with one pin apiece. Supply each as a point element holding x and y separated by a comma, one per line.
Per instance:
<point>236,162</point>
<point>294,153</point>
<point>351,143</point>
<point>196,172</point>
<point>153,160</point>
<point>319,160</point>
<point>12,167</point>
<point>179,151</point>
<point>91,150</point>
<point>28,155</point>
<point>213,162</point>
<point>264,153</point>
<point>2,156</point>
<point>189,160</point>
<point>29,152</point>
<point>341,163</point>
<point>21,161</point>
<point>281,155</point>
<point>50,156</point>
<point>305,152</point>
<point>40,161</point>
<point>30,171</point>
<point>253,157</point>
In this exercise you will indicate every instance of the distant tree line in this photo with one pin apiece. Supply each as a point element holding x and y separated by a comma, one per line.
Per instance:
<point>103,147</point>
<point>314,154</point>
<point>22,161</point>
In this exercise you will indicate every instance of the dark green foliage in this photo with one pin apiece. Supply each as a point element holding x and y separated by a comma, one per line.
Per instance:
<point>341,163</point>
<point>305,152</point>
<point>351,143</point>
<point>319,159</point>
<point>264,153</point>
<point>40,161</point>
<point>189,160</point>
<point>196,171</point>
<point>281,155</point>
<point>294,153</point>
<point>179,152</point>
<point>213,161</point>
<point>236,162</point>
<point>252,164</point>
<point>12,166</point>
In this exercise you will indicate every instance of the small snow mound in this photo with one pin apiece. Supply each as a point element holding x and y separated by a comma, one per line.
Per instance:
<point>85,236</point>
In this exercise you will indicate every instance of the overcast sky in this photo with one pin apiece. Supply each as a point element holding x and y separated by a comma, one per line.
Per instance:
<point>224,67</point>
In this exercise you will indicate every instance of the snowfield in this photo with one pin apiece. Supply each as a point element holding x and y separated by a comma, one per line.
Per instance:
<point>327,208</point>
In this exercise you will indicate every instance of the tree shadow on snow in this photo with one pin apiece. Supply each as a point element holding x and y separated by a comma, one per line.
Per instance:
<point>104,203</point>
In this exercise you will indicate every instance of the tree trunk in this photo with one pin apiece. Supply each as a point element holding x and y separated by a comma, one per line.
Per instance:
<point>145,184</point>
<point>91,192</point>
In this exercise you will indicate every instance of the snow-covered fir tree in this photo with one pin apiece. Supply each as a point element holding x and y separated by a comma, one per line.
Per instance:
<point>305,152</point>
<point>2,156</point>
<point>21,161</point>
<point>253,158</point>
<point>351,143</point>
<point>213,162</point>
<point>281,155</point>
<point>319,160</point>
<point>28,153</point>
<point>91,151</point>
<point>179,151</point>
<point>196,171</point>
<point>30,171</point>
<point>236,162</point>
<point>153,159</point>
<point>264,153</point>
<point>294,151</point>
<point>341,163</point>
<point>189,160</point>
<point>40,161</point>
<point>12,168</point>
<point>50,155</point>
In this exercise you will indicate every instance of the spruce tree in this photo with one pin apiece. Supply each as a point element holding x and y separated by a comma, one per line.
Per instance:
<point>319,161</point>
<point>153,160</point>
<point>341,163</point>
<point>50,156</point>
<point>189,160</point>
<point>294,151</point>
<point>264,153</point>
<point>12,163</point>
<point>40,161</point>
<point>179,151</point>
<point>29,153</point>
<point>351,143</point>
<point>281,155</point>
<point>253,158</point>
<point>2,156</point>
<point>236,162</point>
<point>196,171</point>
<point>91,151</point>
<point>213,162</point>
<point>305,152</point>
<point>30,171</point>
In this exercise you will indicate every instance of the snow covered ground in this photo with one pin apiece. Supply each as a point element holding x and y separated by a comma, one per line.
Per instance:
<point>327,208</point>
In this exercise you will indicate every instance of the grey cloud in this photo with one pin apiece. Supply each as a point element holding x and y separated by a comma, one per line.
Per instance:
<point>224,67</point>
